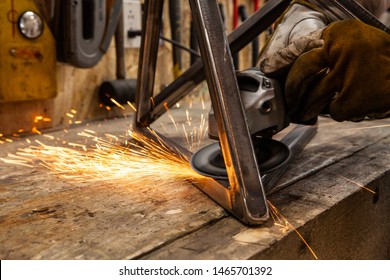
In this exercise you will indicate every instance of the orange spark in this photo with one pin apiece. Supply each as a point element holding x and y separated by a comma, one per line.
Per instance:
<point>35,130</point>
<point>108,160</point>
<point>131,106</point>
<point>280,220</point>
<point>353,182</point>
<point>117,103</point>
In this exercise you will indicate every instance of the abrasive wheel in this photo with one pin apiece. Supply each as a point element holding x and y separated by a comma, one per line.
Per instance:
<point>270,155</point>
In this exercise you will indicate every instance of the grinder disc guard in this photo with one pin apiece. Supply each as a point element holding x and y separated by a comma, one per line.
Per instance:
<point>270,154</point>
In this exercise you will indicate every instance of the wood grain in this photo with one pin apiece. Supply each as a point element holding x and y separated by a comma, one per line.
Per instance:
<point>45,217</point>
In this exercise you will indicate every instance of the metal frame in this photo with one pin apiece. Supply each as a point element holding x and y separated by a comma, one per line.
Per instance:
<point>245,195</point>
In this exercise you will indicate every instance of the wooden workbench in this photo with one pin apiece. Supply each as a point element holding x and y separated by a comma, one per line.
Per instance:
<point>43,216</point>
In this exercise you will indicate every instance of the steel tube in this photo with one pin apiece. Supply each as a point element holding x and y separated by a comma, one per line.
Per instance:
<point>246,189</point>
<point>151,27</point>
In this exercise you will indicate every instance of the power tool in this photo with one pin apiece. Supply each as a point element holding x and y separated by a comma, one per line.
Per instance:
<point>265,113</point>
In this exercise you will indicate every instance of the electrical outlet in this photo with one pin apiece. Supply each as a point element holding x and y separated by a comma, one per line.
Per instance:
<point>132,20</point>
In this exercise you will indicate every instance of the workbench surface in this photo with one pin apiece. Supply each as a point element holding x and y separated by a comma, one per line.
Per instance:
<point>44,216</point>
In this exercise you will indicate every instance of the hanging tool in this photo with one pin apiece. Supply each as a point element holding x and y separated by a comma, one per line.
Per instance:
<point>84,30</point>
<point>122,90</point>
<point>235,21</point>
<point>175,23</point>
<point>255,43</point>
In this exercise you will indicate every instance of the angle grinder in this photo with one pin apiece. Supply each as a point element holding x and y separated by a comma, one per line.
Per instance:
<point>263,103</point>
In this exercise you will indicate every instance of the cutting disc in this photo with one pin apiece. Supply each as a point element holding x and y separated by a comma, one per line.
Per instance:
<point>270,154</point>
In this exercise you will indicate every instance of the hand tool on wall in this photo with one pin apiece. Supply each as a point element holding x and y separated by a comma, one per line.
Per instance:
<point>193,43</point>
<point>122,90</point>
<point>84,30</point>
<point>242,11</point>
<point>175,23</point>
<point>235,23</point>
<point>255,43</point>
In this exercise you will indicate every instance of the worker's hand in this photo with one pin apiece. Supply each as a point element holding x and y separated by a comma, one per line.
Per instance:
<point>343,70</point>
<point>348,77</point>
<point>279,62</point>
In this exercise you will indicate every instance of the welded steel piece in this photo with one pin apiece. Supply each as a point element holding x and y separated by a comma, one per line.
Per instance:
<point>151,27</point>
<point>248,201</point>
<point>243,194</point>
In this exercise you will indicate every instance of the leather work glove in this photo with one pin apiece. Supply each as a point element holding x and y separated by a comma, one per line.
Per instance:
<point>347,77</point>
<point>342,70</point>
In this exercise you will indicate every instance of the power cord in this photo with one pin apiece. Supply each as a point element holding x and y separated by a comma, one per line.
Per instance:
<point>135,33</point>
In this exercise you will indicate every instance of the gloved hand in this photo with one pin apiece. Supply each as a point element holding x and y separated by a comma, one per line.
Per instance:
<point>348,77</point>
<point>343,70</point>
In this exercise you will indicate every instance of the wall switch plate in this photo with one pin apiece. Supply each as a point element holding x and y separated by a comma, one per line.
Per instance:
<point>132,20</point>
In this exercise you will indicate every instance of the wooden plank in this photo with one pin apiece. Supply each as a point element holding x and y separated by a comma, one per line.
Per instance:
<point>335,215</point>
<point>46,217</point>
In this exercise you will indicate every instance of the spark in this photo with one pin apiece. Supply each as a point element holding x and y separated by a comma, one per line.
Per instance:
<point>105,160</point>
<point>174,122</point>
<point>192,130</point>
<point>152,101</point>
<point>78,145</point>
<point>38,118</point>
<point>48,136</point>
<point>165,129</point>
<point>203,104</point>
<point>353,182</point>
<point>35,130</point>
<point>281,221</point>
<point>117,103</point>
<point>131,106</point>
<point>189,119</point>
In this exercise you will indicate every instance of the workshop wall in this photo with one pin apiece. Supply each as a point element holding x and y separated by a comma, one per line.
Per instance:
<point>77,98</point>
